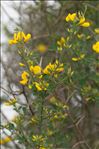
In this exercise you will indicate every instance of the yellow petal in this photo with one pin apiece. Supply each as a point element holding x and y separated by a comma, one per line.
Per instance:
<point>12,42</point>
<point>36,69</point>
<point>10,102</point>
<point>5,140</point>
<point>82,20</point>
<point>19,36</point>
<point>24,75</point>
<point>78,58</point>
<point>24,82</point>
<point>28,36</point>
<point>85,24</point>
<point>96,47</point>
<point>96,30</point>
<point>37,85</point>
<point>23,35</point>
<point>80,36</point>
<point>21,64</point>
<point>88,37</point>
<point>82,56</point>
<point>75,59</point>
<point>71,17</point>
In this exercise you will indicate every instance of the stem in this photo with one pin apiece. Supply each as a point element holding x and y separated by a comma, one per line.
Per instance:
<point>41,114</point>
<point>32,112</point>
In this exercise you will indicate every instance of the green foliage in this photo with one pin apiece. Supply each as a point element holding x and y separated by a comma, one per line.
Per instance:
<point>64,87</point>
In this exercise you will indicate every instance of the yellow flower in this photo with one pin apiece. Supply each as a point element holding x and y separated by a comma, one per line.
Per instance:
<point>56,67</point>
<point>48,68</point>
<point>78,58</point>
<point>12,42</point>
<point>82,21</point>
<point>80,18</point>
<point>36,138</point>
<point>35,69</point>
<point>71,17</point>
<point>21,64</point>
<point>24,82</point>
<point>96,30</point>
<point>38,86</point>
<point>24,77</point>
<point>27,37</point>
<point>85,24</point>
<point>5,140</point>
<point>88,37</point>
<point>34,120</point>
<point>20,36</point>
<point>42,48</point>
<point>30,86</point>
<point>80,36</point>
<point>96,47</point>
<point>10,102</point>
<point>70,30</point>
<point>61,42</point>
<point>41,86</point>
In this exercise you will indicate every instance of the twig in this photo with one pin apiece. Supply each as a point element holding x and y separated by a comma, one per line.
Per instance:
<point>32,112</point>
<point>75,145</point>
<point>77,123</point>
<point>13,93</point>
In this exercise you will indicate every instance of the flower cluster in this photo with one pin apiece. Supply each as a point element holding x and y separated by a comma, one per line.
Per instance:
<point>96,47</point>
<point>79,18</point>
<point>37,73</point>
<point>41,85</point>
<point>24,76</point>
<point>61,42</point>
<point>10,102</point>
<point>35,69</point>
<point>54,69</point>
<point>20,36</point>
<point>37,138</point>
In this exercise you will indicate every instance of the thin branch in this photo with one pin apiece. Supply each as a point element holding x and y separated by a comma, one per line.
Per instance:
<point>16,93</point>
<point>78,143</point>
<point>91,6</point>
<point>24,93</point>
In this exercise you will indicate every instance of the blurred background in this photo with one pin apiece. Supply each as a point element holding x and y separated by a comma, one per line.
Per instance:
<point>45,20</point>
